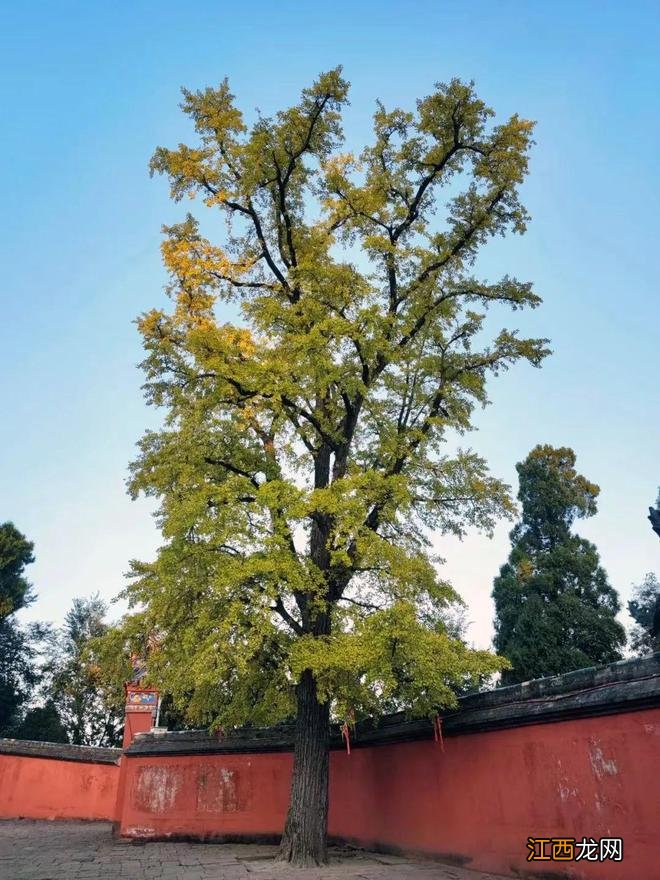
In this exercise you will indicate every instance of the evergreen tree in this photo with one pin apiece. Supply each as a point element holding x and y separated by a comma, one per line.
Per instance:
<point>555,610</point>
<point>644,608</point>
<point>19,672</point>
<point>42,724</point>
<point>15,554</point>
<point>18,645</point>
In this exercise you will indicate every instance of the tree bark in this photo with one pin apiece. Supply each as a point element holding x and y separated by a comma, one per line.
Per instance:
<point>304,842</point>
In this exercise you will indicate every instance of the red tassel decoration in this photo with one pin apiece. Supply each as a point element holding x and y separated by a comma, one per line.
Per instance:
<point>437,731</point>
<point>346,736</point>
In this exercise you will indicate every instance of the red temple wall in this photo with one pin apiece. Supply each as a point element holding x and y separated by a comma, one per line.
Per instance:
<point>481,798</point>
<point>475,802</point>
<point>569,756</point>
<point>205,795</point>
<point>51,788</point>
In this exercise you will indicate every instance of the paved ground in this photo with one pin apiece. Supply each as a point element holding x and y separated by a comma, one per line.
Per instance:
<point>87,851</point>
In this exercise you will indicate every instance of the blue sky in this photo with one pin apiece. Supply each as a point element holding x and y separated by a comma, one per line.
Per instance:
<point>88,91</point>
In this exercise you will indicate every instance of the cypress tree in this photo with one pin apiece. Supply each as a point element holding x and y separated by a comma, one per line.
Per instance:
<point>555,609</point>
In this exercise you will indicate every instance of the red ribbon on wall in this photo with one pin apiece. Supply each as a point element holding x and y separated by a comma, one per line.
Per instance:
<point>437,731</point>
<point>346,736</point>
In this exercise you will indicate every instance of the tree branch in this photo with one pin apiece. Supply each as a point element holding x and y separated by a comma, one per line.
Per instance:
<point>287,617</point>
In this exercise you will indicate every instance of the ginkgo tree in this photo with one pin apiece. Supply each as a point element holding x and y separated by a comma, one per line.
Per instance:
<point>303,461</point>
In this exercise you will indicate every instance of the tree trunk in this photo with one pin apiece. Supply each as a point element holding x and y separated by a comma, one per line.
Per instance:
<point>304,842</point>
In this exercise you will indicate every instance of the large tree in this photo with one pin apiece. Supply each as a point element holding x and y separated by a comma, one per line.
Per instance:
<point>302,464</point>
<point>644,608</point>
<point>42,723</point>
<point>18,645</point>
<point>16,553</point>
<point>19,670</point>
<point>89,708</point>
<point>555,610</point>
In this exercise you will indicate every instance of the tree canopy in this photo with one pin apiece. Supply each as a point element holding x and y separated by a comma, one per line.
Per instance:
<point>644,608</point>
<point>555,609</point>
<point>303,462</point>
<point>42,723</point>
<point>89,707</point>
<point>18,645</point>
<point>16,552</point>
<point>19,670</point>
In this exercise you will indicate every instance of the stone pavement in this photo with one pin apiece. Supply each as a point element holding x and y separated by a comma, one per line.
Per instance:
<point>32,850</point>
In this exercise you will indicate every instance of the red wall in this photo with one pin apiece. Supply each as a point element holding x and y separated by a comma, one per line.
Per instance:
<point>205,796</point>
<point>486,793</point>
<point>50,788</point>
<point>134,723</point>
<point>477,801</point>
